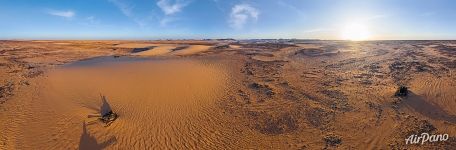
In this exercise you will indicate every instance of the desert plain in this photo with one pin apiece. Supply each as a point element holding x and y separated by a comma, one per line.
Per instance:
<point>226,94</point>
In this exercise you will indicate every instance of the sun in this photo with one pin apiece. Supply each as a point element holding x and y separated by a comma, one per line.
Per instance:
<point>355,32</point>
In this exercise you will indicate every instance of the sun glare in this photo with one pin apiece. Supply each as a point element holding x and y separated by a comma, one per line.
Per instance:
<point>355,32</point>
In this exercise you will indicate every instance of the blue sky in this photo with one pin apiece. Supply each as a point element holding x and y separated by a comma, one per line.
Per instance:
<point>162,19</point>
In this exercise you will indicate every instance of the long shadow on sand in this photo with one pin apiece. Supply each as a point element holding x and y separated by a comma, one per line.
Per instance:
<point>425,108</point>
<point>89,142</point>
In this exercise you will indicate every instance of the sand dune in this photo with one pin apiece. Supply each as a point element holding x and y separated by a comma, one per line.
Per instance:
<point>192,49</point>
<point>158,50</point>
<point>179,50</point>
<point>162,104</point>
<point>134,45</point>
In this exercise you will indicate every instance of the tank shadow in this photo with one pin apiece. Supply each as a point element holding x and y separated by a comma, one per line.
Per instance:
<point>88,141</point>
<point>428,109</point>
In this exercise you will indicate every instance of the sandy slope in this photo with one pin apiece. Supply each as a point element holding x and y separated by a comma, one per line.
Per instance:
<point>162,104</point>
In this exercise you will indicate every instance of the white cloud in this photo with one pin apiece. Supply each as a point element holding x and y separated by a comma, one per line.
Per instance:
<point>65,14</point>
<point>169,8</point>
<point>240,15</point>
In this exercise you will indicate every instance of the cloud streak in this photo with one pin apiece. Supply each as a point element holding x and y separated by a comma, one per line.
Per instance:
<point>127,9</point>
<point>91,20</point>
<point>165,21</point>
<point>168,7</point>
<point>291,7</point>
<point>241,14</point>
<point>66,14</point>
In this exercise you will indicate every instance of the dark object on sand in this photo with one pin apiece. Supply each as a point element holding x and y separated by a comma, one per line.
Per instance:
<point>109,118</point>
<point>137,50</point>
<point>222,46</point>
<point>332,140</point>
<point>402,91</point>
<point>107,115</point>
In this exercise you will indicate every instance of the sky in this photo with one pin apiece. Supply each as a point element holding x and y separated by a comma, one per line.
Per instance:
<point>240,19</point>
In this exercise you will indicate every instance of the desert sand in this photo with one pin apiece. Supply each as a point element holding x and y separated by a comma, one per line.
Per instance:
<point>211,94</point>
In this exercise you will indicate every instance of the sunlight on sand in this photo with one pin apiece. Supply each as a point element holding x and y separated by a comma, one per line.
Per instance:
<point>193,49</point>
